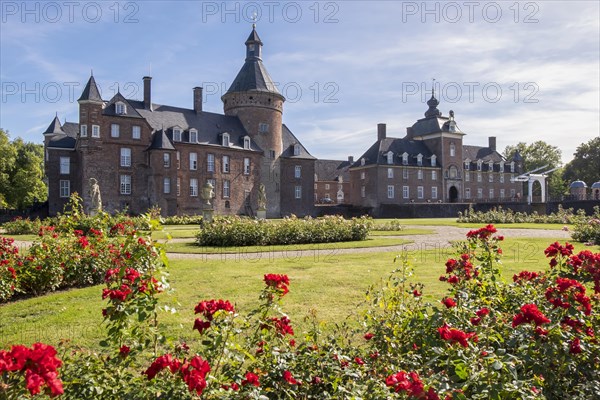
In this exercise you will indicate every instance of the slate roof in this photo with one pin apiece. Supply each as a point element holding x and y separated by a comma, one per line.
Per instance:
<point>62,142</point>
<point>331,170</point>
<point>111,108</point>
<point>64,136</point>
<point>253,76</point>
<point>377,153</point>
<point>209,125</point>
<point>55,127</point>
<point>160,141</point>
<point>289,139</point>
<point>91,92</point>
<point>485,154</point>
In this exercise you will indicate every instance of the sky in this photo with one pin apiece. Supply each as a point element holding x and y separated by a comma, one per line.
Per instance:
<point>520,71</point>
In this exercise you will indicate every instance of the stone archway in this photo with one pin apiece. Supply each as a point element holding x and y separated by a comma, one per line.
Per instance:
<point>453,194</point>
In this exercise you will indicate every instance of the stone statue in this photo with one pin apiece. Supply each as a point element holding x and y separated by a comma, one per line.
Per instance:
<point>262,197</point>
<point>207,194</point>
<point>95,196</point>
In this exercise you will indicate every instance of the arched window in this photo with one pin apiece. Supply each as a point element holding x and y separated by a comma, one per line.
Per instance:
<point>390,157</point>
<point>452,150</point>
<point>452,172</point>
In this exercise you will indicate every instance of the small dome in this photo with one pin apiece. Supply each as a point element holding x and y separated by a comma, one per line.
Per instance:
<point>577,184</point>
<point>596,185</point>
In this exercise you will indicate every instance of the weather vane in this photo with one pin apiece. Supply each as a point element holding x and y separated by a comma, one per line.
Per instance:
<point>254,18</point>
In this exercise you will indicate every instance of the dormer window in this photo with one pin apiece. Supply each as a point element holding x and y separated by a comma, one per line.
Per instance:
<point>512,166</point>
<point>433,160</point>
<point>362,162</point>
<point>390,157</point>
<point>479,163</point>
<point>467,164</point>
<point>120,108</point>
<point>296,149</point>
<point>501,166</point>
<point>176,135</point>
<point>452,150</point>
<point>246,143</point>
<point>193,136</point>
<point>405,159</point>
<point>225,140</point>
<point>491,166</point>
<point>420,160</point>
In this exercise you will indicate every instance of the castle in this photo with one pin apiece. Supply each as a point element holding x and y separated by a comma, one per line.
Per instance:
<point>145,154</point>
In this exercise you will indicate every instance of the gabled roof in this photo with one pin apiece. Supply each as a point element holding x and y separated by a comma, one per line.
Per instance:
<point>209,125</point>
<point>377,153</point>
<point>160,141</point>
<point>331,170</point>
<point>485,154</point>
<point>91,92</point>
<point>55,128</point>
<point>111,108</point>
<point>289,140</point>
<point>71,129</point>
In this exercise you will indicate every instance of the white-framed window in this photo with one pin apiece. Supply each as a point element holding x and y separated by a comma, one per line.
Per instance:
<point>502,193</point>
<point>178,157</point>
<point>467,193</point>
<point>136,132</point>
<point>226,188</point>
<point>512,166</point>
<point>405,159</point>
<point>491,193</point>
<point>166,185</point>
<point>210,162</point>
<point>166,160</point>
<point>362,162</point>
<point>420,192</point>
<point>419,159</point>
<point>420,174</point>
<point>452,150</point>
<point>125,157</point>
<point>434,175</point>
<point>225,164</point>
<point>83,130</point>
<point>479,177</point>
<point>176,135</point>
<point>298,192</point>
<point>120,108</point>
<point>178,187</point>
<point>501,166</point>
<point>246,166</point>
<point>327,186</point>
<point>390,173</point>
<point>114,130</point>
<point>501,177</point>
<point>65,165</point>
<point>64,188</point>
<point>405,192</point>
<point>434,192</point>
<point>362,175</point>
<point>467,176</point>
<point>491,166</point>
<point>193,161</point>
<point>390,191</point>
<point>297,171</point>
<point>479,193</point>
<point>390,157</point>
<point>95,131</point>
<point>193,136</point>
<point>263,127</point>
<point>125,184</point>
<point>362,191</point>
<point>296,149</point>
<point>194,187</point>
<point>433,160</point>
<point>404,173</point>
<point>467,165</point>
<point>247,143</point>
<point>479,164</point>
<point>225,140</point>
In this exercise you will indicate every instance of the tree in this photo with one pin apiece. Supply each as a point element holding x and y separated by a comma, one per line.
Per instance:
<point>537,155</point>
<point>585,165</point>
<point>21,173</point>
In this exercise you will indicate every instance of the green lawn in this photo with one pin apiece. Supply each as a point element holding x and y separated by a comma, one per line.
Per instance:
<point>333,284</point>
<point>452,222</point>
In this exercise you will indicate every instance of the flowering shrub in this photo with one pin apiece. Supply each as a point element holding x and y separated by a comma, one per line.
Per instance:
<point>532,338</point>
<point>237,231</point>
<point>183,220</point>
<point>587,229</point>
<point>9,254</point>
<point>22,226</point>
<point>498,215</point>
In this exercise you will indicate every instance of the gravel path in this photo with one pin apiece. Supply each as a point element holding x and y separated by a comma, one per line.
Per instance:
<point>434,241</point>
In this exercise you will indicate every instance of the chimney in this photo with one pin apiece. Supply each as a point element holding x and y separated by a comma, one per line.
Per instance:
<point>492,142</point>
<point>351,159</point>
<point>380,131</point>
<point>147,93</point>
<point>198,99</point>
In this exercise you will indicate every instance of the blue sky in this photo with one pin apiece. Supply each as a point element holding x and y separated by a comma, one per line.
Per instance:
<point>520,71</point>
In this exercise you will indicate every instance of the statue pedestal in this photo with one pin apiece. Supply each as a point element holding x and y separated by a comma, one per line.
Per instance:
<point>207,215</point>
<point>261,214</point>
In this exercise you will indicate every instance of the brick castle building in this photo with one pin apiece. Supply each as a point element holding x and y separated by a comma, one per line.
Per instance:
<point>145,154</point>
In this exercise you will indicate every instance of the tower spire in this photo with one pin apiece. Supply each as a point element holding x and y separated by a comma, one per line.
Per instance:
<point>432,111</point>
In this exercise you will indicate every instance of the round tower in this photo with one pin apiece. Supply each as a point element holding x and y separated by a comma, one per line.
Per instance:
<point>255,100</point>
